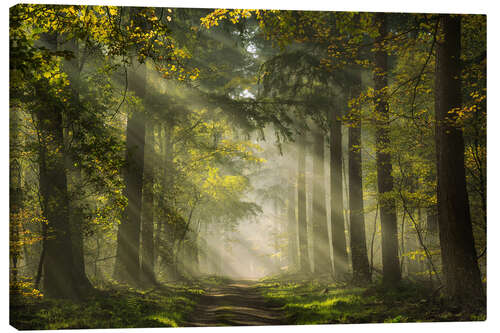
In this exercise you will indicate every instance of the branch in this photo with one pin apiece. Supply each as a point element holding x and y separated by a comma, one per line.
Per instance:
<point>419,76</point>
<point>124,93</point>
<point>415,224</point>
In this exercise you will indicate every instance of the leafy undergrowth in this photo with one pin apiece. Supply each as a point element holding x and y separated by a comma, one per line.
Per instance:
<point>112,307</point>
<point>212,281</point>
<point>316,302</point>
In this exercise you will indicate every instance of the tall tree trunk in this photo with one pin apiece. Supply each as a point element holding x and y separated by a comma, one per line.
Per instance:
<point>360,266</point>
<point>388,217</point>
<point>321,244</point>
<point>340,263</point>
<point>58,264</point>
<point>148,199</point>
<point>159,228</point>
<point>127,265</point>
<point>58,279</point>
<point>292,224</point>
<point>302,206</point>
<point>196,252</point>
<point>168,223</point>
<point>276,231</point>
<point>460,268</point>
<point>15,192</point>
<point>74,174</point>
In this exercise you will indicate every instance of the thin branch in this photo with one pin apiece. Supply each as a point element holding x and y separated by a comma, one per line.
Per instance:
<point>124,93</point>
<point>419,76</point>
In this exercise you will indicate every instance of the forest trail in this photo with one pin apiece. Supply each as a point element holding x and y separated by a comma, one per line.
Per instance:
<point>238,303</point>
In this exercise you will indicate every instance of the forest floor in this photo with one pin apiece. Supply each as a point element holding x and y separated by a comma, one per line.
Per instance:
<point>216,301</point>
<point>109,306</point>
<point>238,303</point>
<point>306,301</point>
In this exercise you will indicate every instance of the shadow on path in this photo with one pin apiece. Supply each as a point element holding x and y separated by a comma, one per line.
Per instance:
<point>236,304</point>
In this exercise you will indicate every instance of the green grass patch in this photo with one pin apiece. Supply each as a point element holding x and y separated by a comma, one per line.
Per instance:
<point>113,307</point>
<point>319,302</point>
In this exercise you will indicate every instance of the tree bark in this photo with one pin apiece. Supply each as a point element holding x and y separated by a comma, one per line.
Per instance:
<point>148,213</point>
<point>168,241</point>
<point>321,244</point>
<point>127,265</point>
<point>58,264</point>
<point>15,191</point>
<point>58,279</point>
<point>292,225</point>
<point>388,217</point>
<point>360,266</point>
<point>460,269</point>
<point>302,206</point>
<point>74,174</point>
<point>340,263</point>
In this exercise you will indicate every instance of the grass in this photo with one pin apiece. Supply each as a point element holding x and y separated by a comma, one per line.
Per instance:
<point>113,307</point>
<point>302,301</point>
<point>316,302</point>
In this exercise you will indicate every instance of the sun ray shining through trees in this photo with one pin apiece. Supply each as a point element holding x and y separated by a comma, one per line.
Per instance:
<point>208,167</point>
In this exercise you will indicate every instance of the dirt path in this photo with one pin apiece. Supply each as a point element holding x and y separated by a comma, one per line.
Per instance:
<point>236,304</point>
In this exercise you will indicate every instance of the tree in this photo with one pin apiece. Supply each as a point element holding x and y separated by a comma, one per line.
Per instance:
<point>360,266</point>
<point>302,204</point>
<point>58,264</point>
<point>127,264</point>
<point>321,244</point>
<point>340,263</point>
<point>292,222</point>
<point>388,217</point>
<point>460,269</point>
<point>148,213</point>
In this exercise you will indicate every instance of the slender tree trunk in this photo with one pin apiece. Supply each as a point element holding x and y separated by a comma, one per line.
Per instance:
<point>340,263</point>
<point>168,223</point>
<point>292,224</point>
<point>159,229</point>
<point>127,265</point>
<point>196,252</point>
<point>459,259</point>
<point>388,217</point>
<point>431,220</point>
<point>148,256</point>
<point>203,248</point>
<point>360,266</point>
<point>16,192</point>
<point>321,244</point>
<point>302,206</point>
<point>276,225</point>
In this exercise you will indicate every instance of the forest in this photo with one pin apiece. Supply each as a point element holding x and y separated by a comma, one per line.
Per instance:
<point>179,167</point>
